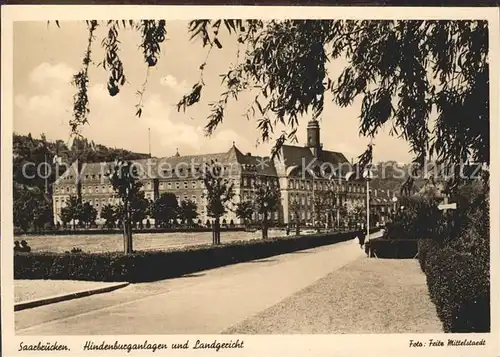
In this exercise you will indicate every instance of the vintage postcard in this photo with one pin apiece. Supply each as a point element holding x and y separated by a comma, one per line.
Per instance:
<point>250,181</point>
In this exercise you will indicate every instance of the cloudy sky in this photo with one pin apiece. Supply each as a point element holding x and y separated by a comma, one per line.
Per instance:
<point>46,57</point>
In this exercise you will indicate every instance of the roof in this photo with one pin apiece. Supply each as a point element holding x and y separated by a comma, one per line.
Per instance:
<point>186,166</point>
<point>302,156</point>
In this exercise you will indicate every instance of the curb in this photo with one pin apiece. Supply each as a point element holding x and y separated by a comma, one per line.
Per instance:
<point>58,298</point>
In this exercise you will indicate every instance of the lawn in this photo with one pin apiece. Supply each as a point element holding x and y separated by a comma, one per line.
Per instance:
<point>366,296</point>
<point>142,241</point>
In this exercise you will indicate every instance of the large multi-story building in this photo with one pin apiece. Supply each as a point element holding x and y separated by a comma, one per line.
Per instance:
<point>301,173</point>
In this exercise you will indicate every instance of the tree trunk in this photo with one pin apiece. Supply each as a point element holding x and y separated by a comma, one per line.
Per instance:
<point>264,225</point>
<point>127,230</point>
<point>217,231</point>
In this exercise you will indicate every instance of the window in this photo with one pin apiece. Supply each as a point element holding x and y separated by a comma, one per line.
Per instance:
<point>103,188</point>
<point>67,189</point>
<point>177,185</point>
<point>193,198</point>
<point>96,189</point>
<point>244,181</point>
<point>169,185</point>
<point>161,184</point>
<point>185,184</point>
<point>193,184</point>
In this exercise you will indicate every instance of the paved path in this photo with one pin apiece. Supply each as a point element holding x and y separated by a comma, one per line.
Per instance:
<point>207,302</point>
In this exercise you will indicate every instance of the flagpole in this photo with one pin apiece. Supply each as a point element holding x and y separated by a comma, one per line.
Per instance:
<point>149,141</point>
<point>46,179</point>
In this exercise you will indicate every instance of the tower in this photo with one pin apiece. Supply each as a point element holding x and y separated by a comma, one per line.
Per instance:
<point>313,138</point>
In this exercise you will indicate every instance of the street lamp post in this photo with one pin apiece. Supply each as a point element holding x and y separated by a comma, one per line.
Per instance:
<point>264,221</point>
<point>394,200</point>
<point>367,175</point>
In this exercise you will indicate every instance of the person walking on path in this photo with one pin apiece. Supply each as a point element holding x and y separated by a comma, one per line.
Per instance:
<point>361,238</point>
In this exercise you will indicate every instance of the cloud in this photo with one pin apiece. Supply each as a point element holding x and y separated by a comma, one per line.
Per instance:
<point>171,82</point>
<point>46,108</point>
<point>46,73</point>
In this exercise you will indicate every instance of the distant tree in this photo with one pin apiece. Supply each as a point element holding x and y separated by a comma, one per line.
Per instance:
<point>87,214</point>
<point>244,210</point>
<point>124,177</point>
<point>31,208</point>
<point>139,207</point>
<point>188,211</point>
<point>164,210</point>
<point>108,213</point>
<point>219,193</point>
<point>295,208</point>
<point>66,216</point>
<point>71,211</point>
<point>267,200</point>
<point>42,214</point>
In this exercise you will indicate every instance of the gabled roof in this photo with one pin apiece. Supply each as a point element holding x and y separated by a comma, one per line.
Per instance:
<point>298,156</point>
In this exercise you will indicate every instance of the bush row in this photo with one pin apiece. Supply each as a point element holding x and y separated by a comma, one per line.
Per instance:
<point>143,266</point>
<point>459,287</point>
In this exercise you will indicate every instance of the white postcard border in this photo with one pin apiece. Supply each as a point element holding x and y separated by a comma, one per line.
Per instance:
<point>313,345</point>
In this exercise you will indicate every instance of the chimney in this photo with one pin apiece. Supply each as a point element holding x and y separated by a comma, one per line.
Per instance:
<point>249,154</point>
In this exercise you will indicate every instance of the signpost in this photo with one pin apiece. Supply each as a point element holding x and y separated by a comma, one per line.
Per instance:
<point>445,206</point>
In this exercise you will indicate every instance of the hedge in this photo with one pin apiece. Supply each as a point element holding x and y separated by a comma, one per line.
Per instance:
<point>144,266</point>
<point>392,248</point>
<point>459,287</point>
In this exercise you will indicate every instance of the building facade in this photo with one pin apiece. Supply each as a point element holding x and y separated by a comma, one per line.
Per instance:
<point>302,174</point>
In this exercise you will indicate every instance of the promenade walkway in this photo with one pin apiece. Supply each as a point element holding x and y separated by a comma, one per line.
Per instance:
<point>208,302</point>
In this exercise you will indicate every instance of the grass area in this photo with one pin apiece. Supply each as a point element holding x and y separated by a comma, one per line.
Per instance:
<point>25,290</point>
<point>142,241</point>
<point>366,296</point>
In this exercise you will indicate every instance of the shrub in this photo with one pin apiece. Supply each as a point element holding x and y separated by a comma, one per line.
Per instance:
<point>145,266</point>
<point>420,218</point>
<point>457,266</point>
<point>460,289</point>
<point>392,248</point>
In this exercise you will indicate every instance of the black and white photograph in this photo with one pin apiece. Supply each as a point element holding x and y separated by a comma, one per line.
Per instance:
<point>178,182</point>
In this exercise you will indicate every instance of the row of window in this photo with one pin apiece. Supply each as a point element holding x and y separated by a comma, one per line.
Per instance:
<point>250,181</point>
<point>296,184</point>
<point>85,189</point>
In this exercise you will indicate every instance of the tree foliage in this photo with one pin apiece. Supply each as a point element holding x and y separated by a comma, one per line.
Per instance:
<point>219,190</point>
<point>30,208</point>
<point>401,70</point>
<point>188,211</point>
<point>109,214</point>
<point>164,209</point>
<point>244,210</point>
